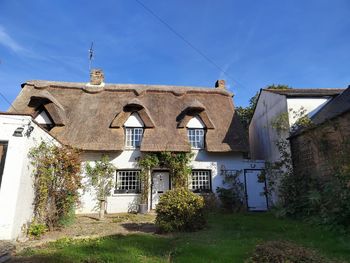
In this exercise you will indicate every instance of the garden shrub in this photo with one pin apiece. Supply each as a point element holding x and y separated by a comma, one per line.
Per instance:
<point>210,202</point>
<point>283,251</point>
<point>57,180</point>
<point>231,194</point>
<point>180,210</point>
<point>36,230</point>
<point>306,194</point>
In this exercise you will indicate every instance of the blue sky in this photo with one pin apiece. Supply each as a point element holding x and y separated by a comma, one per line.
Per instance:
<point>301,43</point>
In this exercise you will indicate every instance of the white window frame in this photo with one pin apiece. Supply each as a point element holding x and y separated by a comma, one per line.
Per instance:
<point>133,137</point>
<point>127,181</point>
<point>200,181</point>
<point>196,138</point>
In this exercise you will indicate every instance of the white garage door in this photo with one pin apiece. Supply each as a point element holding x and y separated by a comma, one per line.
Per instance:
<point>256,199</point>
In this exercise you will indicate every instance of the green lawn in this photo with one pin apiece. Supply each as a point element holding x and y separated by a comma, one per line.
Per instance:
<point>228,238</point>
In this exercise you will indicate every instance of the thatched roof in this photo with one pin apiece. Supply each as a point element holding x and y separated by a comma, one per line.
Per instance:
<point>91,117</point>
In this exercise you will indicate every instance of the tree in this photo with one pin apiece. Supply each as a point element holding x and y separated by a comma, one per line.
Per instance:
<point>246,113</point>
<point>101,179</point>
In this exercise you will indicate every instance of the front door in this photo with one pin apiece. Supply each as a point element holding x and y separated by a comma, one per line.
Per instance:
<point>160,184</point>
<point>255,191</point>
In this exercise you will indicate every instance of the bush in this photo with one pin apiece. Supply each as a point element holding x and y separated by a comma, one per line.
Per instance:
<point>36,230</point>
<point>231,194</point>
<point>210,202</point>
<point>180,210</point>
<point>282,251</point>
<point>57,181</point>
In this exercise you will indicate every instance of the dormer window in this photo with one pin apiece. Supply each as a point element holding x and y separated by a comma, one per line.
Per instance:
<point>196,133</point>
<point>44,120</point>
<point>133,131</point>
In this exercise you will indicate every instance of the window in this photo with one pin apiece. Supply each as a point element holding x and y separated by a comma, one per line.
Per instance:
<point>133,131</point>
<point>3,150</point>
<point>196,132</point>
<point>127,181</point>
<point>133,137</point>
<point>200,181</point>
<point>196,138</point>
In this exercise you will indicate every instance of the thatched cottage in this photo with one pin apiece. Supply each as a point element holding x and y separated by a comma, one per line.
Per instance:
<point>125,121</point>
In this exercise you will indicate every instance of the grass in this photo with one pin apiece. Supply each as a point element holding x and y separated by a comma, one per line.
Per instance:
<point>228,238</point>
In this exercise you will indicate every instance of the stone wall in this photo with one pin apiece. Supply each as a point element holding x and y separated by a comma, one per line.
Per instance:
<point>314,152</point>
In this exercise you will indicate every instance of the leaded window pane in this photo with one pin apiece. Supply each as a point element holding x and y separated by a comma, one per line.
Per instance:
<point>196,138</point>
<point>127,181</point>
<point>200,180</point>
<point>133,137</point>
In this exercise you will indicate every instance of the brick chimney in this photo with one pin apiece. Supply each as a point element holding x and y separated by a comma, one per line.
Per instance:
<point>96,77</point>
<point>220,84</point>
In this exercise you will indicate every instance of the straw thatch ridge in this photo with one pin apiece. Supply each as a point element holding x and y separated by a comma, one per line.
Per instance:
<point>94,120</point>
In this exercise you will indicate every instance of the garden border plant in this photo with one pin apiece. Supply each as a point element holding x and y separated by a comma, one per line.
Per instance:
<point>57,180</point>
<point>319,199</point>
<point>179,209</point>
<point>232,193</point>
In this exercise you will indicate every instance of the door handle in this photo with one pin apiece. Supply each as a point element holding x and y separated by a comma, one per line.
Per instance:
<point>160,192</point>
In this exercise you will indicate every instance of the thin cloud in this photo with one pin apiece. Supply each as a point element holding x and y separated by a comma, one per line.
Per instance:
<point>7,41</point>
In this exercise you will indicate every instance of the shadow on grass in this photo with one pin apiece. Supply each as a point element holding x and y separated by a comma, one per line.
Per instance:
<point>115,248</point>
<point>93,217</point>
<point>141,227</point>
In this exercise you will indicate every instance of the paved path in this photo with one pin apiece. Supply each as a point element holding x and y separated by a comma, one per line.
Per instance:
<point>6,250</point>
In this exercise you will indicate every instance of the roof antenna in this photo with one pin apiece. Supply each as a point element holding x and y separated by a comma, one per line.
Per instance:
<point>91,55</point>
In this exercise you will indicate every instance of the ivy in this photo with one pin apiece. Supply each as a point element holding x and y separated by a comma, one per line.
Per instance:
<point>322,199</point>
<point>177,163</point>
<point>147,163</point>
<point>57,179</point>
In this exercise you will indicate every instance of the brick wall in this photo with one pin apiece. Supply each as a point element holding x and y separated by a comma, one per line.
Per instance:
<point>314,151</point>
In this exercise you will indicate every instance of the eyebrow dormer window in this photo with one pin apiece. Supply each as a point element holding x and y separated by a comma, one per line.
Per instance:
<point>196,133</point>
<point>133,131</point>
<point>44,120</point>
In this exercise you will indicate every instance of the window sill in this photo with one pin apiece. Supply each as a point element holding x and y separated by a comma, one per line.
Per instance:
<point>132,149</point>
<point>124,194</point>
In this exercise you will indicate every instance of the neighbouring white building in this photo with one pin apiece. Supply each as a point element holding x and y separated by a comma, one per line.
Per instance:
<point>18,134</point>
<point>273,103</point>
<point>124,121</point>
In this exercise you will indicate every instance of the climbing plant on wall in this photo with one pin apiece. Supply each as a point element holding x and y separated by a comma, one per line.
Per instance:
<point>100,177</point>
<point>147,162</point>
<point>324,199</point>
<point>57,179</point>
<point>177,163</point>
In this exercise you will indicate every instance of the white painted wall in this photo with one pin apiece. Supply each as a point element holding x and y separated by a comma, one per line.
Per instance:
<point>195,123</point>
<point>117,203</point>
<point>262,137</point>
<point>227,161</point>
<point>42,118</point>
<point>311,106</point>
<point>134,120</point>
<point>16,192</point>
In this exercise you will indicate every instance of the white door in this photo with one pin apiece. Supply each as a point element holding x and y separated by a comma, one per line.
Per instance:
<point>160,184</point>
<point>256,199</point>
